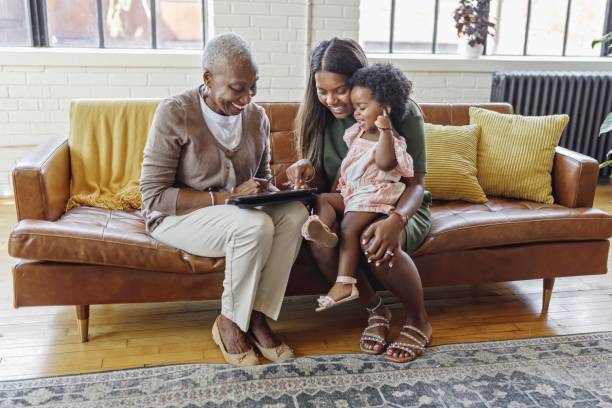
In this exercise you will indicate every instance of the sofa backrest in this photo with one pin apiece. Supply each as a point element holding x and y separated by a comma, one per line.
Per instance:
<point>282,116</point>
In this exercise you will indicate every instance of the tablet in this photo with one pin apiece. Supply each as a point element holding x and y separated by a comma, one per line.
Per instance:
<point>272,197</point>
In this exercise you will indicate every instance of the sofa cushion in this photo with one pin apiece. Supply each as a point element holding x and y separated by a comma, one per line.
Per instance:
<point>458,225</point>
<point>516,153</point>
<point>451,163</point>
<point>103,237</point>
<point>118,238</point>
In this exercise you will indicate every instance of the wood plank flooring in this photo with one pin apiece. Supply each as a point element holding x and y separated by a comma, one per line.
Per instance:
<point>42,341</point>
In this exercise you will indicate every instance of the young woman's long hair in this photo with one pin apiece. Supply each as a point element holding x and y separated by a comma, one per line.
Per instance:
<point>337,55</point>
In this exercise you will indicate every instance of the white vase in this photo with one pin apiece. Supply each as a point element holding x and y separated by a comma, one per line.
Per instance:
<point>468,51</point>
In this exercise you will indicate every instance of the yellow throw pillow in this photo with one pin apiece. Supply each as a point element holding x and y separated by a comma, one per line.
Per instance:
<point>516,153</point>
<point>451,163</point>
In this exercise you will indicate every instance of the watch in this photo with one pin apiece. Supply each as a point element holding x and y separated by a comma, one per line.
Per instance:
<point>403,217</point>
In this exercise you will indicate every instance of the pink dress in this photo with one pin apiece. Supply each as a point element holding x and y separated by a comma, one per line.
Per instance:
<point>362,184</point>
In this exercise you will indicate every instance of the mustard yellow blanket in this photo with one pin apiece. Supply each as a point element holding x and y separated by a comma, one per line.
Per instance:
<point>107,139</point>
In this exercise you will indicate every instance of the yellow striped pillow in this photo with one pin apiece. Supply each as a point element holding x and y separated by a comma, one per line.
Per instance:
<point>516,153</point>
<point>451,163</point>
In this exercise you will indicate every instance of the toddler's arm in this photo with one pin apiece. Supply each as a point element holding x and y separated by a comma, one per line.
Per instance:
<point>385,150</point>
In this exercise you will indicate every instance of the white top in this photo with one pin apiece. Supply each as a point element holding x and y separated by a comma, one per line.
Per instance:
<point>228,131</point>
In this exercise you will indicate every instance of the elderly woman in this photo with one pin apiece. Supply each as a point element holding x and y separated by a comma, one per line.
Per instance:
<point>205,146</point>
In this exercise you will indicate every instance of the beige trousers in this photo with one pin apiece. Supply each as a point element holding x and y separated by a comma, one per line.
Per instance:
<point>259,245</point>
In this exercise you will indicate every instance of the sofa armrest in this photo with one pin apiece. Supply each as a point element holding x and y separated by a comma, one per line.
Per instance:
<point>41,182</point>
<point>574,178</point>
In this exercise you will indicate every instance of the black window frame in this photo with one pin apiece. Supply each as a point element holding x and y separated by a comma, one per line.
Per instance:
<point>607,27</point>
<point>40,33</point>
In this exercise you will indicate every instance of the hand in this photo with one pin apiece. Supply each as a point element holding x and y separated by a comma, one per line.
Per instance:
<point>381,239</point>
<point>249,187</point>
<point>264,184</point>
<point>383,121</point>
<point>299,172</point>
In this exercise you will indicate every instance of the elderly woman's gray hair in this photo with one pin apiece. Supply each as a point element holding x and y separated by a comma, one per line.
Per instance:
<point>225,48</point>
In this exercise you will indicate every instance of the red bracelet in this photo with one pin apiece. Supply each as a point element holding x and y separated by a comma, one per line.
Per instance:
<point>399,214</point>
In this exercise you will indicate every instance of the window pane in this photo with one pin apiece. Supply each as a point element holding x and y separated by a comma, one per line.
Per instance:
<point>127,23</point>
<point>547,27</point>
<point>447,33</point>
<point>413,26</point>
<point>179,23</point>
<point>374,25</point>
<point>71,24</point>
<point>15,23</point>
<point>510,17</point>
<point>585,25</point>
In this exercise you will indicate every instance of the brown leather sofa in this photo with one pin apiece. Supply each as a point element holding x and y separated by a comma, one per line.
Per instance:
<point>96,256</point>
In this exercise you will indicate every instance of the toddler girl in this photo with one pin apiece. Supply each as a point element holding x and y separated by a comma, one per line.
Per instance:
<point>370,175</point>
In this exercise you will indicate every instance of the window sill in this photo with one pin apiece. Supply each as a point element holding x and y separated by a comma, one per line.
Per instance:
<point>91,57</point>
<point>449,62</point>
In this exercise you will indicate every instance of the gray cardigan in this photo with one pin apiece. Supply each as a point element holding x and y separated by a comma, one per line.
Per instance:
<point>181,152</point>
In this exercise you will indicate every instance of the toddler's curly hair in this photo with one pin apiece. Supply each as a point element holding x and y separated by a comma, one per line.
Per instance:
<point>389,86</point>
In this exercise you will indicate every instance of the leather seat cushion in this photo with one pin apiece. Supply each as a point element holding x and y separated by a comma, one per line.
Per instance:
<point>118,238</point>
<point>103,237</point>
<point>458,225</point>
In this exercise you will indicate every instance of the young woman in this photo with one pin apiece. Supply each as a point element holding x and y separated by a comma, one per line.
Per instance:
<point>324,116</point>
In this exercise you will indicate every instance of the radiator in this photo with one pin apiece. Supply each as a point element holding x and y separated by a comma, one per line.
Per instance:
<point>585,96</point>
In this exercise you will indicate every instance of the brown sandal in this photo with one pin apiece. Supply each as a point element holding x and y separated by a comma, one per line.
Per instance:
<point>413,349</point>
<point>373,322</point>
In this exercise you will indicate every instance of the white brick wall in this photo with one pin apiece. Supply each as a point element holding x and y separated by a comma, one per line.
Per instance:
<point>37,85</point>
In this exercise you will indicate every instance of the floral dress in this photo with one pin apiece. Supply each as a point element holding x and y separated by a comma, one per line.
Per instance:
<point>362,184</point>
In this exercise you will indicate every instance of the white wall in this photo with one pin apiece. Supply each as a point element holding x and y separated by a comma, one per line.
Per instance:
<point>37,85</point>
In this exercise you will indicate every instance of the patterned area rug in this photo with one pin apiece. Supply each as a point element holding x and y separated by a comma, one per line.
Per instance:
<point>565,371</point>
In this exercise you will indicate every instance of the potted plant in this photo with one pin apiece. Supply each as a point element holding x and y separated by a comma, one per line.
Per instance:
<point>473,26</point>
<point>606,126</point>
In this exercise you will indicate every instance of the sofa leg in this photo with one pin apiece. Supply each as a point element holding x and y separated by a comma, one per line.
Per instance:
<point>83,321</point>
<point>547,293</point>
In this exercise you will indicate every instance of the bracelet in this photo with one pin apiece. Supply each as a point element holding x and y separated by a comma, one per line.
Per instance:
<point>212,198</point>
<point>403,217</point>
<point>384,128</point>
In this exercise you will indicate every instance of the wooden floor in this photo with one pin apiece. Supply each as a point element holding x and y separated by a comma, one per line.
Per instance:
<point>43,341</point>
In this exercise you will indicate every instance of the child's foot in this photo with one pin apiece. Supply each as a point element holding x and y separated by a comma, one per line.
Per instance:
<point>340,291</point>
<point>344,290</point>
<point>315,230</point>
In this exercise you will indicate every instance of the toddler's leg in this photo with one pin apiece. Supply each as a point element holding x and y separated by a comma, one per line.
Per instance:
<point>319,227</point>
<point>351,227</point>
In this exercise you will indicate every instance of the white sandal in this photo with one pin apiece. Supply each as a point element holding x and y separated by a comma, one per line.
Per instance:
<point>315,230</point>
<point>326,302</point>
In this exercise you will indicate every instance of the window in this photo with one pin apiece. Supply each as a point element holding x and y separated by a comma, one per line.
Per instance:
<point>70,26</point>
<point>523,27</point>
<point>15,23</point>
<point>103,23</point>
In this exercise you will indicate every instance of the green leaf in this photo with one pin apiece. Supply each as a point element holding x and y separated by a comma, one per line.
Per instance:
<point>603,40</point>
<point>605,164</point>
<point>606,126</point>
